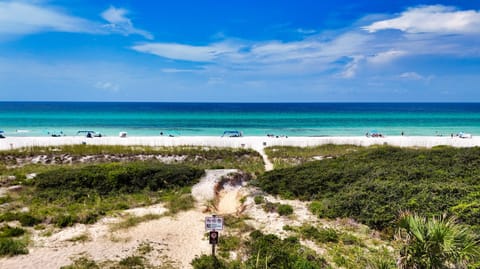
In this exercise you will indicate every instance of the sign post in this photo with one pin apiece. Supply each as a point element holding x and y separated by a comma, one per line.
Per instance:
<point>213,241</point>
<point>213,224</point>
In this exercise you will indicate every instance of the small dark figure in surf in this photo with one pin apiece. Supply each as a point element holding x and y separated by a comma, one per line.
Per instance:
<point>402,133</point>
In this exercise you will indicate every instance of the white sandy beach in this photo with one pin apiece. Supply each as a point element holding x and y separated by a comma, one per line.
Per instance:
<point>254,142</point>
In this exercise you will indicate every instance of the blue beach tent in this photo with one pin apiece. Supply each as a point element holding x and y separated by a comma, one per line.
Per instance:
<point>233,133</point>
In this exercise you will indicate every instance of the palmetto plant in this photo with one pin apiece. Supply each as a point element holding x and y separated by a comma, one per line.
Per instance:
<point>435,243</point>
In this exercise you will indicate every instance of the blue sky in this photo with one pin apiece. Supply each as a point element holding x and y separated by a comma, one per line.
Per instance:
<point>240,51</point>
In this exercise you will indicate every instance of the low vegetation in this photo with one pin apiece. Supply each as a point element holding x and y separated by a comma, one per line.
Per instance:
<point>281,209</point>
<point>372,185</point>
<point>38,159</point>
<point>288,156</point>
<point>67,196</point>
<point>436,243</point>
<point>267,251</point>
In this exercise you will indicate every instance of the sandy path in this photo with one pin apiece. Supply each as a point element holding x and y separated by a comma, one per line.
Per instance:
<point>266,160</point>
<point>229,200</point>
<point>180,238</point>
<point>177,239</point>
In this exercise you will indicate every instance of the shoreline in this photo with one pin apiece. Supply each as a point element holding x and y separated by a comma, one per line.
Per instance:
<point>253,142</point>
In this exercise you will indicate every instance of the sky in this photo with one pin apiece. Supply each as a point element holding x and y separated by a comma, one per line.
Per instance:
<point>240,51</point>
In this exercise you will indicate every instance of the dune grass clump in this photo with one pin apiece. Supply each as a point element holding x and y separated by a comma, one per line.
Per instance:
<point>247,160</point>
<point>8,231</point>
<point>288,156</point>
<point>11,247</point>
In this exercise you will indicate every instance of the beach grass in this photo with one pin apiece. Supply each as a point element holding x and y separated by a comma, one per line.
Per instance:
<point>288,156</point>
<point>247,160</point>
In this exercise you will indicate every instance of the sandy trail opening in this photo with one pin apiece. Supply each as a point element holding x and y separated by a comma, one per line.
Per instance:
<point>176,239</point>
<point>229,201</point>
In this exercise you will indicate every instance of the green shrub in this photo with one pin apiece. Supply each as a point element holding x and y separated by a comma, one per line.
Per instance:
<point>7,231</point>
<point>284,210</point>
<point>132,262</point>
<point>269,251</point>
<point>82,263</point>
<point>28,220</point>
<point>65,220</point>
<point>181,203</point>
<point>208,262</point>
<point>5,199</point>
<point>228,243</point>
<point>11,247</point>
<point>24,218</point>
<point>350,239</point>
<point>112,178</point>
<point>322,235</point>
<point>317,208</point>
<point>258,199</point>
<point>373,184</point>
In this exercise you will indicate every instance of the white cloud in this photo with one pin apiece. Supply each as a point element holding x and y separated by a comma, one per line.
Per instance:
<point>411,75</point>
<point>415,76</point>
<point>386,56</point>
<point>187,52</point>
<point>431,19</point>
<point>18,18</point>
<point>179,70</point>
<point>106,85</point>
<point>350,69</point>
<point>23,18</point>
<point>306,31</point>
<point>118,22</point>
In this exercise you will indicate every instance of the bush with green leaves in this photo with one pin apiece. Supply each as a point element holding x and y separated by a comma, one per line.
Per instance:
<point>284,210</point>
<point>11,247</point>
<point>436,242</point>
<point>8,231</point>
<point>65,196</point>
<point>322,235</point>
<point>373,184</point>
<point>26,219</point>
<point>269,251</point>
<point>209,262</point>
<point>112,178</point>
<point>259,199</point>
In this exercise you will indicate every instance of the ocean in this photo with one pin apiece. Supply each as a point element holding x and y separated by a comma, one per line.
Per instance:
<point>253,119</point>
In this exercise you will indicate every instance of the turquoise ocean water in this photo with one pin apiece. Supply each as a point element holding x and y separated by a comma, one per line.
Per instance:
<point>189,119</point>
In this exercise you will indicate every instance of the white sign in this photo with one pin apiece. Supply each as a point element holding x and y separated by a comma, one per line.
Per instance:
<point>214,223</point>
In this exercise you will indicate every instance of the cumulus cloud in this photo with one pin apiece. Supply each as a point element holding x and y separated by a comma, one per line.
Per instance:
<point>431,19</point>
<point>18,18</point>
<point>120,23</point>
